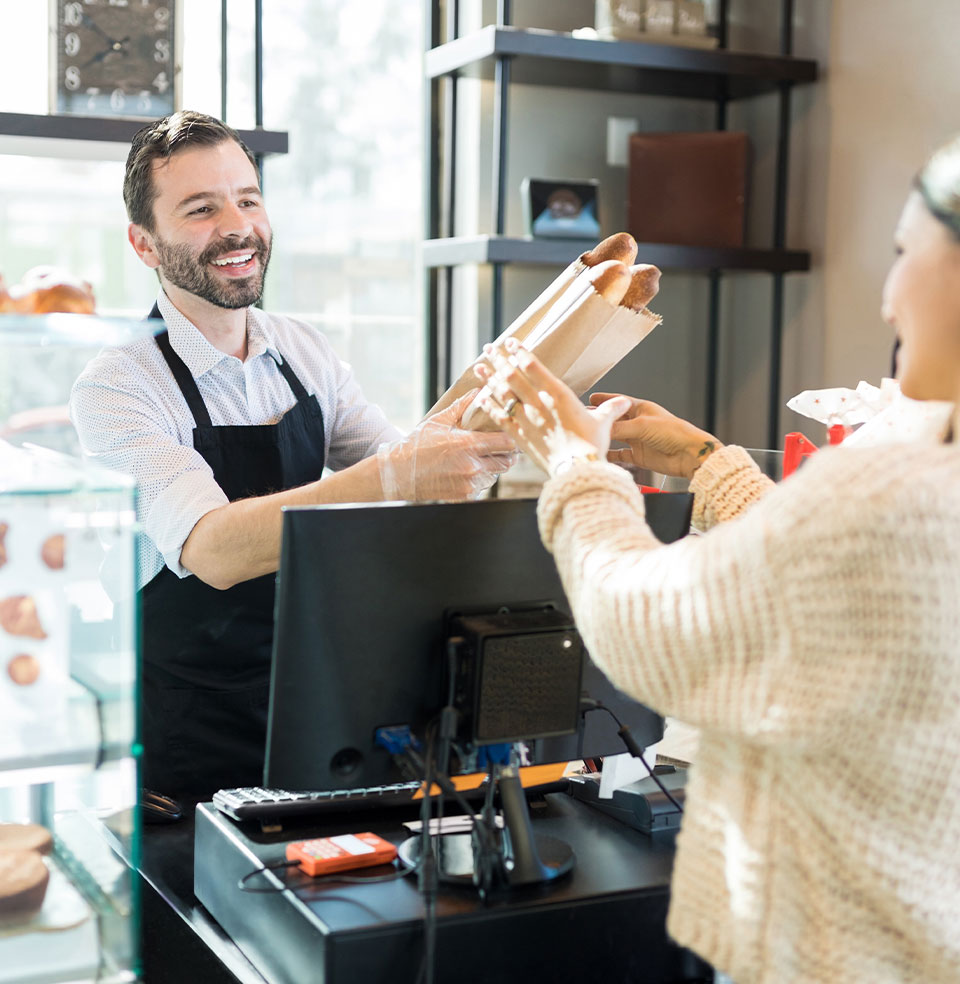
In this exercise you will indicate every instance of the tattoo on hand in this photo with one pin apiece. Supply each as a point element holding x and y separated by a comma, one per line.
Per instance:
<point>708,448</point>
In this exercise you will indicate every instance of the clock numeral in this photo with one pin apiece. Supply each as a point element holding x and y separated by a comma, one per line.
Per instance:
<point>73,14</point>
<point>161,83</point>
<point>71,44</point>
<point>92,93</point>
<point>162,16</point>
<point>117,99</point>
<point>118,3</point>
<point>145,102</point>
<point>71,78</point>
<point>162,52</point>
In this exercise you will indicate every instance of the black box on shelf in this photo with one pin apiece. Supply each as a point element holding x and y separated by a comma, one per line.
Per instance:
<point>688,188</point>
<point>554,209</point>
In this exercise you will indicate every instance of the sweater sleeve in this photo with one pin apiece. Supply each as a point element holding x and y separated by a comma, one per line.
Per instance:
<point>726,485</point>
<point>787,624</point>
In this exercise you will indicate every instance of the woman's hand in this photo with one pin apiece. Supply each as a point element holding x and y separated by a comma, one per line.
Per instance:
<point>656,438</point>
<point>542,414</point>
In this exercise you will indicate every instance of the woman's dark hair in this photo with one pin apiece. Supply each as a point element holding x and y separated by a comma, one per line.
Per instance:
<point>939,185</point>
<point>160,140</point>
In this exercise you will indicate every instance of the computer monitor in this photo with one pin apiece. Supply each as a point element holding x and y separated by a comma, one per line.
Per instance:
<point>362,595</point>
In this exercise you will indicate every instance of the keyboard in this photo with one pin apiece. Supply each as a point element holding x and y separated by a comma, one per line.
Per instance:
<point>271,806</point>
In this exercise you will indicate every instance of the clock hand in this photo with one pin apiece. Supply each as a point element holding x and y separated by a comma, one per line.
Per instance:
<point>104,54</point>
<point>90,22</point>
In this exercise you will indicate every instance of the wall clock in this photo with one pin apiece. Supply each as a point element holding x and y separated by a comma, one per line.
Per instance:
<point>114,57</point>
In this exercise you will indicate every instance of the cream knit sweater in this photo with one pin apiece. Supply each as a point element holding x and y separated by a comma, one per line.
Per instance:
<point>814,636</point>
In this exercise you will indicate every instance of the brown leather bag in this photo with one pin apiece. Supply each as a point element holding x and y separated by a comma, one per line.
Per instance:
<point>688,188</point>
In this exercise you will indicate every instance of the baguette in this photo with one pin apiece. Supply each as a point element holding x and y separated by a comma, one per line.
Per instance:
<point>644,284</point>
<point>621,247</point>
<point>584,308</point>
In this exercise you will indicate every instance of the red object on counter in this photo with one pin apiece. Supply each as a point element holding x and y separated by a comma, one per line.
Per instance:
<point>837,432</point>
<point>649,488</point>
<point>796,447</point>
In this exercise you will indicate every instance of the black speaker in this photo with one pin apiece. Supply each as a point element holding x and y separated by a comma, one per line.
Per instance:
<point>516,675</point>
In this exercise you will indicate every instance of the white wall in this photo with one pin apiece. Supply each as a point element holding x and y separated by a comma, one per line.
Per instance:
<point>889,93</point>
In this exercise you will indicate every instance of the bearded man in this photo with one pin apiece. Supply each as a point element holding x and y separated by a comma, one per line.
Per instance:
<point>224,417</point>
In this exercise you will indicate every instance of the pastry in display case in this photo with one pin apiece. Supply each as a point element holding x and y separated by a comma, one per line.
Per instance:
<point>68,654</point>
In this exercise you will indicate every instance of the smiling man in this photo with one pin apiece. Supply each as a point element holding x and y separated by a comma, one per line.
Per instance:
<point>225,417</point>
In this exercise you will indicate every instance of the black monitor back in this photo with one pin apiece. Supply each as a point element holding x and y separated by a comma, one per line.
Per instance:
<point>361,596</point>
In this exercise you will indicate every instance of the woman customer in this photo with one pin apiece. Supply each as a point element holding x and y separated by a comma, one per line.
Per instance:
<point>813,635</point>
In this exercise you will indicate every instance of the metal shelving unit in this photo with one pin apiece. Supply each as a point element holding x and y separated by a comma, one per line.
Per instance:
<point>104,129</point>
<point>508,55</point>
<point>33,129</point>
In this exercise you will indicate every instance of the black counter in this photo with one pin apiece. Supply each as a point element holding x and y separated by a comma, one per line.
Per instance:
<point>603,921</point>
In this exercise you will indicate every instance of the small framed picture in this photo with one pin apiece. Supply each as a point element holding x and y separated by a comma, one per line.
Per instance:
<point>556,209</point>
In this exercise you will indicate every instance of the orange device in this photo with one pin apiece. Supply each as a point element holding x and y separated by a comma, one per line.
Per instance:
<point>326,855</point>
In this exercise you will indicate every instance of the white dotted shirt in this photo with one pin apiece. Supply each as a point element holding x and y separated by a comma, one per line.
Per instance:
<point>131,416</point>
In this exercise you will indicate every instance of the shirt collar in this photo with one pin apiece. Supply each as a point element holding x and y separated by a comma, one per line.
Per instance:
<point>198,354</point>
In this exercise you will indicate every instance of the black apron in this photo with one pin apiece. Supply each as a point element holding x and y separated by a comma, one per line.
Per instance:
<point>206,653</point>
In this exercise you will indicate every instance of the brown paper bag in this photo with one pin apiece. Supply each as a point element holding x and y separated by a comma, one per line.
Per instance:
<point>553,301</point>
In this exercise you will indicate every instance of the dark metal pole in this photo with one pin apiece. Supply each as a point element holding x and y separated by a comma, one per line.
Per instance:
<point>223,60</point>
<point>723,22</point>
<point>780,228</point>
<point>258,62</point>
<point>431,203</point>
<point>501,87</point>
<point>713,353</point>
<point>449,195</point>
<point>713,320</point>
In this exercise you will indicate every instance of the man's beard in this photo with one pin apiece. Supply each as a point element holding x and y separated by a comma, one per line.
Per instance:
<point>189,270</point>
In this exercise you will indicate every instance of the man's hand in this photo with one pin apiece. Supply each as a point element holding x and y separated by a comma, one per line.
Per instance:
<point>657,439</point>
<point>440,460</point>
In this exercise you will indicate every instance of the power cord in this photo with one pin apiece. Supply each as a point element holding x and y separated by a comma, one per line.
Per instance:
<point>323,880</point>
<point>631,745</point>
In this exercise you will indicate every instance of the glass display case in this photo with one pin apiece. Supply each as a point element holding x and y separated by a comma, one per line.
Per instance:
<point>68,681</point>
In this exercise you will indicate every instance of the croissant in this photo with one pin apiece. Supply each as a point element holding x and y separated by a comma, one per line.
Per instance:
<point>45,290</point>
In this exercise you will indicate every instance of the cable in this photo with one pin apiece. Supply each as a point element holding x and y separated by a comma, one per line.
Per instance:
<point>323,880</point>
<point>427,878</point>
<point>242,883</point>
<point>633,748</point>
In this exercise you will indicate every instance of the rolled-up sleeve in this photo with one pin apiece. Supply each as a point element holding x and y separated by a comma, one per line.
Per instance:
<point>358,427</point>
<point>126,429</point>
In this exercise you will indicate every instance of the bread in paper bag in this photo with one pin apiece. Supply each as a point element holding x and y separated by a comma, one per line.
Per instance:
<point>589,329</point>
<point>621,247</point>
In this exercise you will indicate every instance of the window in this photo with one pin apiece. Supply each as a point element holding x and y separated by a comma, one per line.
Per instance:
<point>345,81</point>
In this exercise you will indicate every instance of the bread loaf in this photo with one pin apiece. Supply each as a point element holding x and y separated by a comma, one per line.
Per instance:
<point>52,551</point>
<point>23,883</point>
<point>18,616</point>
<point>45,290</point>
<point>23,669</point>
<point>25,837</point>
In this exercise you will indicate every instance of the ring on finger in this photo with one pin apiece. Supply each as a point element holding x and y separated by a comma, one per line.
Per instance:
<point>510,407</point>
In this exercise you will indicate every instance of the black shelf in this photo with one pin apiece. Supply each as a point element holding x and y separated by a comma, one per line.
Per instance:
<point>558,252</point>
<point>108,129</point>
<point>556,59</point>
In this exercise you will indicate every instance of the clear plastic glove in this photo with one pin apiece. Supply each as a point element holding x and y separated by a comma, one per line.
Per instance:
<point>544,416</point>
<point>440,460</point>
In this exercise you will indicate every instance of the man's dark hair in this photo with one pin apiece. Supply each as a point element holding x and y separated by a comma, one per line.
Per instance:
<point>160,140</point>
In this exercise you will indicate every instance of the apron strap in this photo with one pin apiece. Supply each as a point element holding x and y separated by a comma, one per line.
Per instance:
<point>292,380</point>
<point>188,385</point>
<point>185,380</point>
